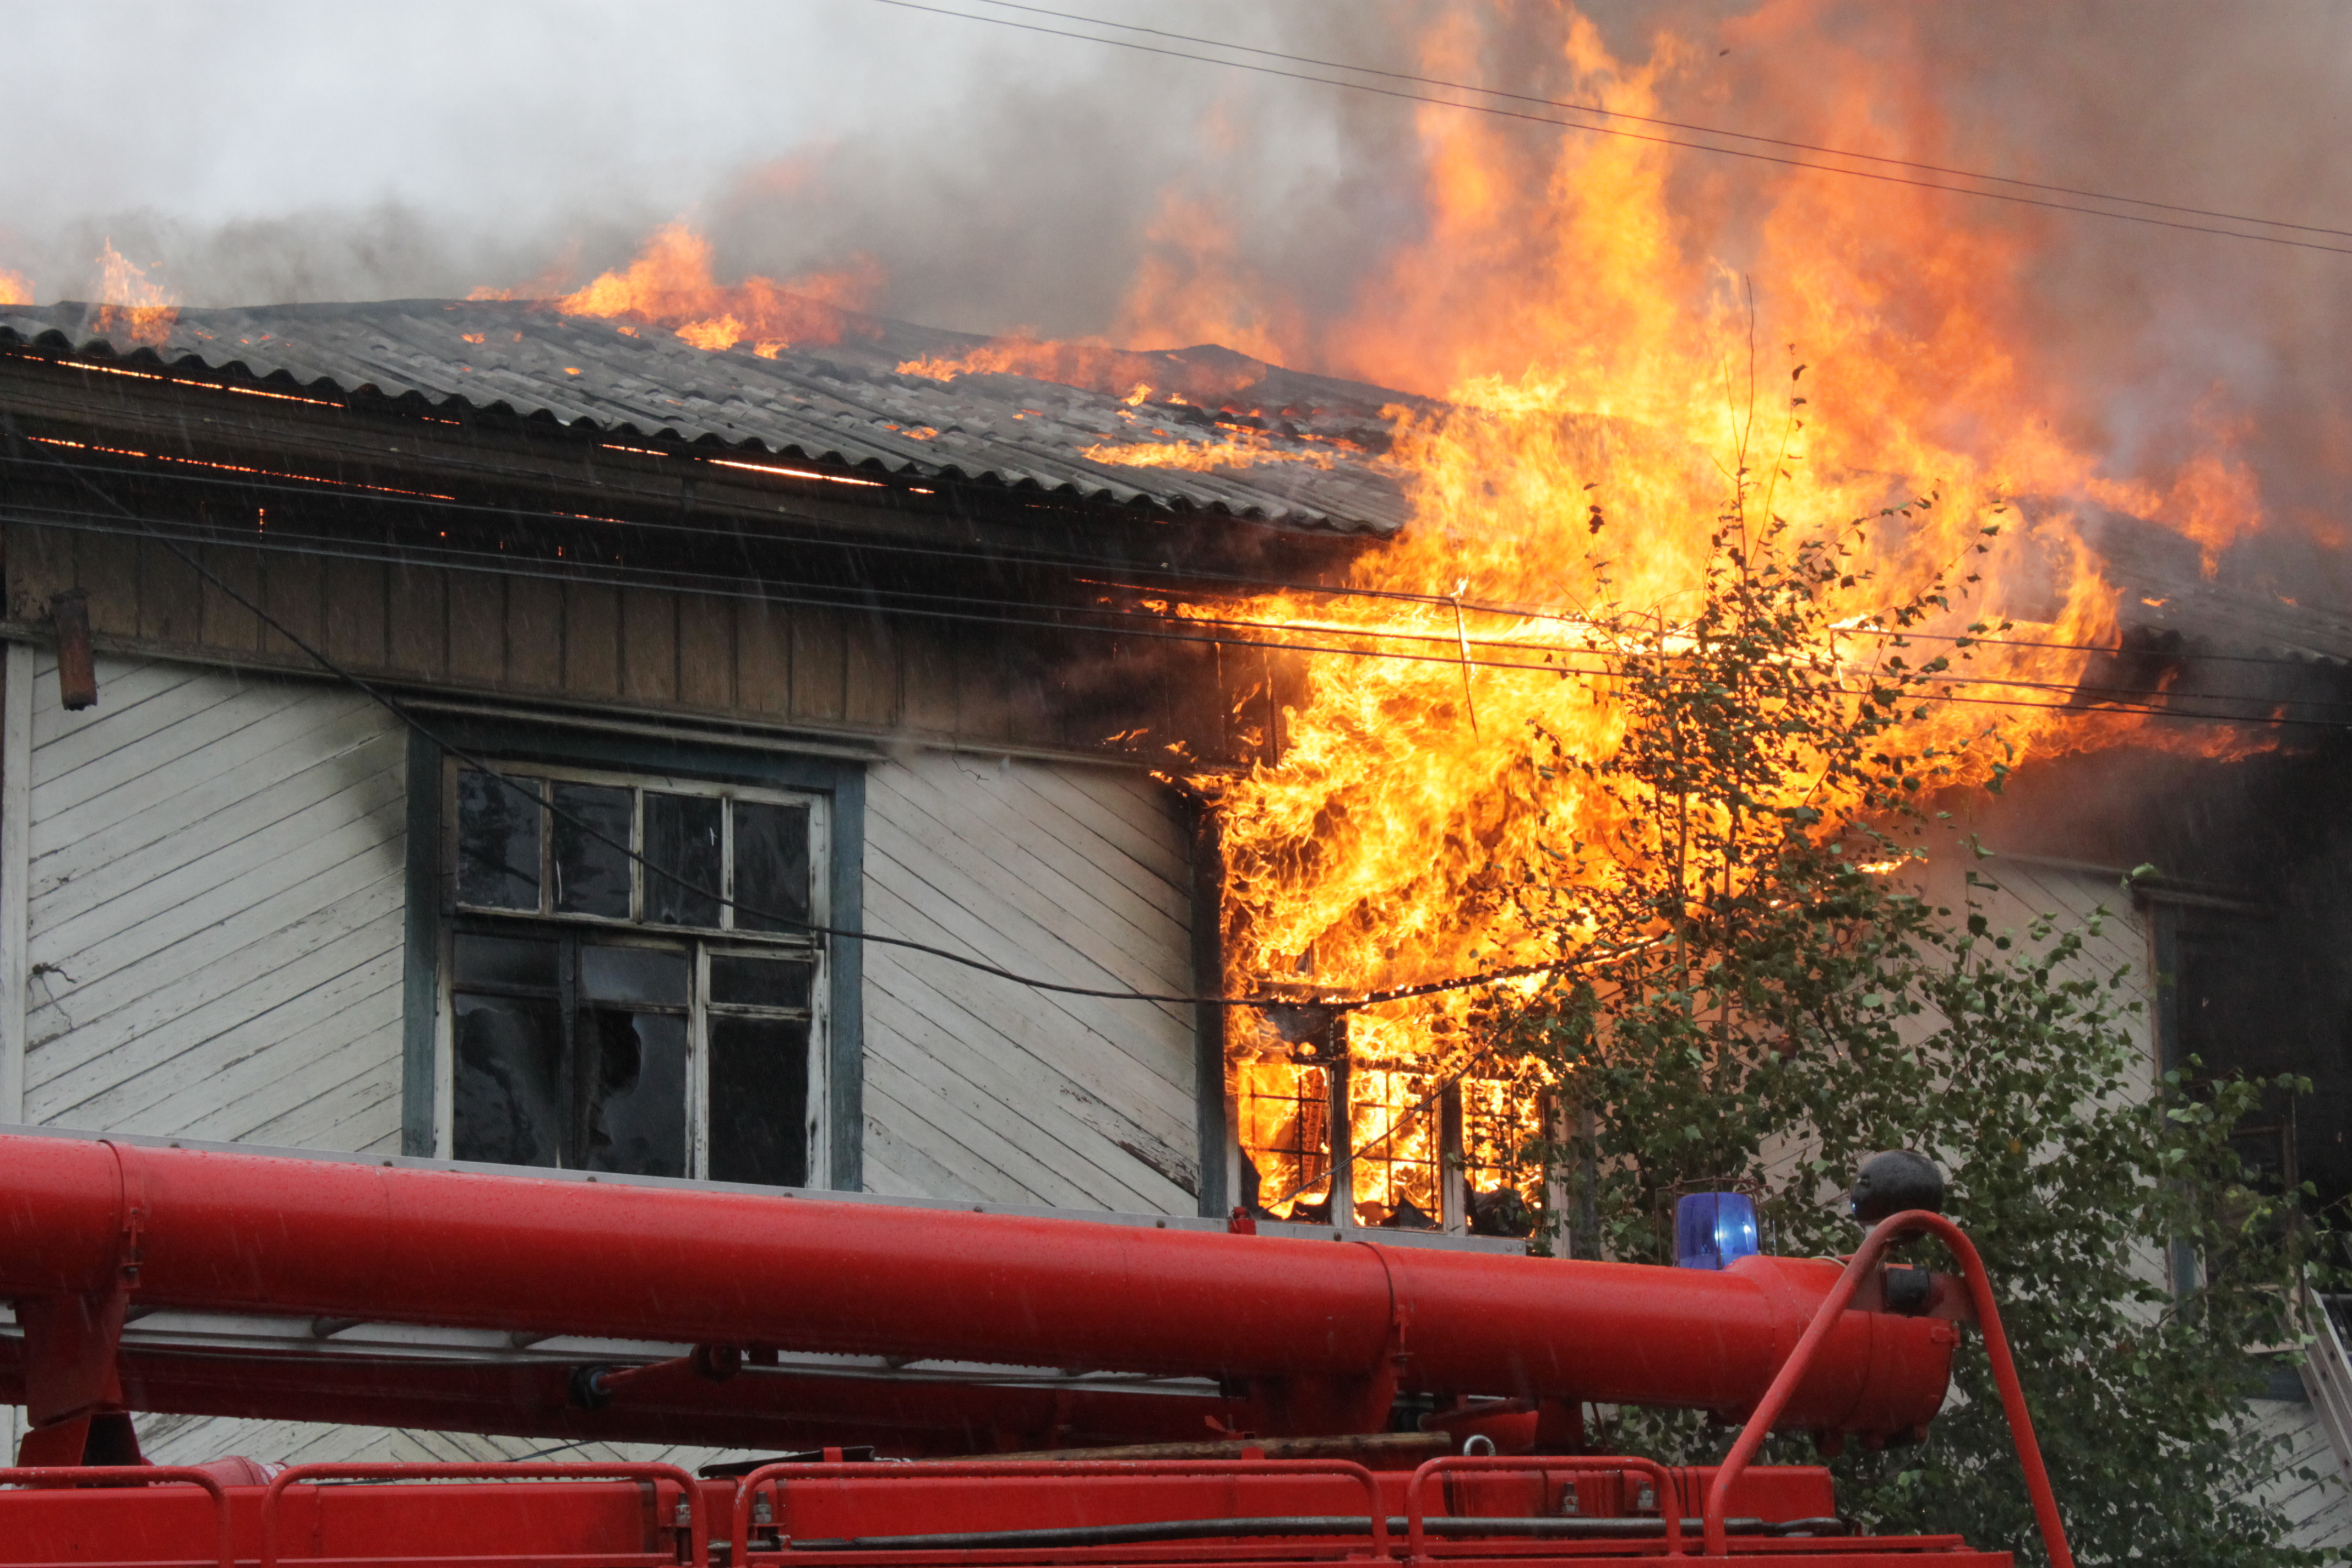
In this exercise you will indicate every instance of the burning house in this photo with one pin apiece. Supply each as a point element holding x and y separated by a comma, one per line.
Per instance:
<point>796,749</point>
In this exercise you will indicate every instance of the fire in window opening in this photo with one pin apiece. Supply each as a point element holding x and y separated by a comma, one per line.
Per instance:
<point>1403,1131</point>
<point>661,1016</point>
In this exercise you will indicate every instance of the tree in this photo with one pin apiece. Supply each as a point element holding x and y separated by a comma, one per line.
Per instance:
<point>1780,971</point>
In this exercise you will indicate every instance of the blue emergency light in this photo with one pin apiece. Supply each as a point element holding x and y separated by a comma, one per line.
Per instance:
<point>1711,1229</point>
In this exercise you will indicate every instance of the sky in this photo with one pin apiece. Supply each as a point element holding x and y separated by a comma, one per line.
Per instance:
<point>253,150</point>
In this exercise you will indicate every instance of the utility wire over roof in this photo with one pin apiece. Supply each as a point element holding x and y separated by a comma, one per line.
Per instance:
<point>1270,446</point>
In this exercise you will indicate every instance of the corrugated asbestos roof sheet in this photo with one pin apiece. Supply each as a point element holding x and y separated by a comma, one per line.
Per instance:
<point>1303,449</point>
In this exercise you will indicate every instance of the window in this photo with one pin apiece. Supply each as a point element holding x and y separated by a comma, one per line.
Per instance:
<point>658,1011</point>
<point>1411,1153</point>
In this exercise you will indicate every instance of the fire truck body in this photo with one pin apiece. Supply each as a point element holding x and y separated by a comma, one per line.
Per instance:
<point>1297,1355</point>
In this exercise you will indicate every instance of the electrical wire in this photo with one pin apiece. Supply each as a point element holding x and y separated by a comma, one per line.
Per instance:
<point>1532,117</point>
<point>408,716</point>
<point>1595,108</point>
<point>2088,696</point>
<point>1237,582</point>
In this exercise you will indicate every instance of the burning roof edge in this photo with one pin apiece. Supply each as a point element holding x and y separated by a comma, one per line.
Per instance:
<point>827,410</point>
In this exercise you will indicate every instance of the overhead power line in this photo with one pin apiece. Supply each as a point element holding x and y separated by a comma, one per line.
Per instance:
<point>1529,115</point>
<point>1600,109</point>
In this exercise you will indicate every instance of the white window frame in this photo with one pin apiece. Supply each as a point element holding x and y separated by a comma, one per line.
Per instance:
<point>701,943</point>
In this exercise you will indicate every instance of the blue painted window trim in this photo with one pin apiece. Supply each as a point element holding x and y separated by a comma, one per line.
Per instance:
<point>428,905</point>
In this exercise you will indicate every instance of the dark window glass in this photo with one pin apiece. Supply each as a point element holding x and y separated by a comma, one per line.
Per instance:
<point>497,842</point>
<point>636,1120</point>
<point>647,975</point>
<point>592,873</point>
<point>682,840</point>
<point>772,866</point>
<point>507,1106</point>
<point>760,982</point>
<point>505,961</point>
<point>759,1102</point>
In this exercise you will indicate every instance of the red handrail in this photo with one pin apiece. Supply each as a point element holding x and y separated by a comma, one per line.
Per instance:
<point>1670,1496</point>
<point>75,1475</point>
<point>2004,1374</point>
<point>484,1473</point>
<point>740,1535</point>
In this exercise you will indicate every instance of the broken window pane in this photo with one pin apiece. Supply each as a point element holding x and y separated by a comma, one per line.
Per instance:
<point>758,1101</point>
<point>760,982</point>
<point>508,1106</point>
<point>498,841</point>
<point>636,1120</point>
<point>591,872</point>
<point>682,866</point>
<point>505,961</point>
<point>772,866</point>
<point>646,975</point>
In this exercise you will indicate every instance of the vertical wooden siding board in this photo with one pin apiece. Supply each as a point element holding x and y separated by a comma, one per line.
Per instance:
<point>227,624</point>
<point>170,597</point>
<point>418,643</point>
<point>591,640</point>
<point>41,563</point>
<point>872,675</point>
<point>534,634</point>
<point>706,651</point>
<point>294,592</point>
<point>477,627</point>
<point>930,680</point>
<point>763,656</point>
<point>820,664</point>
<point>358,629</point>
<point>106,568</point>
<point>649,646</point>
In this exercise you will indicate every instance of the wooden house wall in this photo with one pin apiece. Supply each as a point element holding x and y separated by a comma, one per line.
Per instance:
<point>653,650</point>
<point>216,897</point>
<point>976,1087</point>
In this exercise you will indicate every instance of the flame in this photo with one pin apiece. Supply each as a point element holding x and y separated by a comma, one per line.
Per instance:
<point>670,285</point>
<point>1200,456</point>
<point>1610,382</point>
<point>131,306</point>
<point>16,289</point>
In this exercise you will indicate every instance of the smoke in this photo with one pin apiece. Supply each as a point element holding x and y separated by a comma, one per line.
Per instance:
<point>1004,179</point>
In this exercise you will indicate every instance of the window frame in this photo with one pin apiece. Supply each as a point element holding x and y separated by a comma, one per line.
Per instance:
<point>830,787</point>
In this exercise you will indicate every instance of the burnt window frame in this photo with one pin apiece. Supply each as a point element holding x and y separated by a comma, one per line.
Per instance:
<point>757,768</point>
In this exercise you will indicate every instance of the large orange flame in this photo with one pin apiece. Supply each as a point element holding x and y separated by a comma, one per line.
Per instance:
<point>16,289</point>
<point>670,285</point>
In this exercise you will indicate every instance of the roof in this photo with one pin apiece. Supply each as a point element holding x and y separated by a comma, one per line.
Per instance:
<point>1277,447</point>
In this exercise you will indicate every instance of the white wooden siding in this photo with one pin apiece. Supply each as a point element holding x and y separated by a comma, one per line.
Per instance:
<point>216,891</point>
<point>976,1087</point>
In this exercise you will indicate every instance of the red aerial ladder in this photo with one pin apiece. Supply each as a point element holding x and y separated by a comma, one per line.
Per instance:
<point>1268,1372</point>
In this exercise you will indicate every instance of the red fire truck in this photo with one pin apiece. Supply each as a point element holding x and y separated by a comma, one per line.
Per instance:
<point>1172,1395</point>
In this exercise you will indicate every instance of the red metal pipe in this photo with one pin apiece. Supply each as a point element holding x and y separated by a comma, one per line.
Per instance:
<point>219,1231</point>
<point>1785,1386</point>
